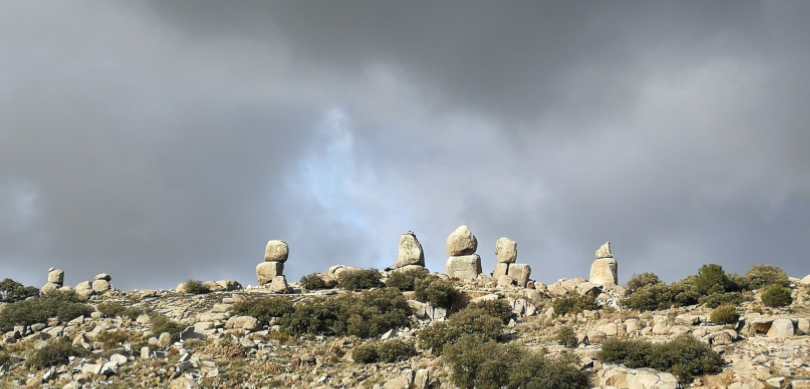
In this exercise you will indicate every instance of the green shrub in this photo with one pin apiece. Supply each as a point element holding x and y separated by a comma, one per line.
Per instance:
<point>62,305</point>
<point>764,275</point>
<point>161,324</point>
<point>368,314</point>
<point>641,280</point>
<point>111,309</point>
<point>724,314</point>
<point>12,291</point>
<point>196,287</point>
<point>471,321</point>
<point>360,279</point>
<point>488,365</point>
<point>313,282</point>
<point>649,298</point>
<point>406,280</point>
<point>264,308</point>
<point>439,293</point>
<point>718,299</point>
<point>54,353</point>
<point>133,312</point>
<point>684,293</point>
<point>574,303</point>
<point>776,296</point>
<point>385,351</point>
<point>566,337</point>
<point>713,279</point>
<point>496,308</point>
<point>685,356</point>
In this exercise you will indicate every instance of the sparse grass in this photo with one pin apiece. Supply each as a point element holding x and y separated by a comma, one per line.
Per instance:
<point>196,287</point>
<point>161,324</point>
<point>724,314</point>
<point>62,305</point>
<point>111,309</point>
<point>54,353</point>
<point>566,337</point>
<point>113,339</point>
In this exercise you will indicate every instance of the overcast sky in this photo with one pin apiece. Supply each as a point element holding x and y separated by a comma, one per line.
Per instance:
<point>167,140</point>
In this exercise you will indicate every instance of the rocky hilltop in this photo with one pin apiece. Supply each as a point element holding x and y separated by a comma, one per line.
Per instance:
<point>405,327</point>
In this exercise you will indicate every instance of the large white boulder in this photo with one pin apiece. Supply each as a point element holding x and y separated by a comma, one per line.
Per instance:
<point>506,250</point>
<point>466,267</point>
<point>781,328</point>
<point>461,242</point>
<point>410,251</point>
<point>520,273</point>
<point>276,251</point>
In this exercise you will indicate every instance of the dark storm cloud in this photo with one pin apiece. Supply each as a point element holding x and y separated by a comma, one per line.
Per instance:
<point>166,140</point>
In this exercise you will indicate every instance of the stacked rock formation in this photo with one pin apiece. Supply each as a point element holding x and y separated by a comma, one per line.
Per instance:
<point>411,255</point>
<point>463,262</point>
<point>271,272</point>
<point>605,269</point>
<point>100,284</point>
<point>507,272</point>
<point>56,280</point>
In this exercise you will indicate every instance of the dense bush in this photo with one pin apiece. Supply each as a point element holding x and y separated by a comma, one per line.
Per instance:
<point>370,313</point>
<point>406,280</point>
<point>776,296</point>
<point>54,353</point>
<point>161,324</point>
<point>566,337</point>
<point>641,280</point>
<point>264,308</point>
<point>439,293</point>
<point>649,298</point>
<point>685,356</point>
<point>111,309</point>
<point>62,305</point>
<point>724,314</point>
<point>489,365</point>
<point>713,279</point>
<point>574,303</point>
<point>384,351</point>
<point>497,308</point>
<point>360,279</point>
<point>195,287</point>
<point>313,282</point>
<point>12,291</point>
<point>471,321</point>
<point>763,275</point>
<point>718,299</point>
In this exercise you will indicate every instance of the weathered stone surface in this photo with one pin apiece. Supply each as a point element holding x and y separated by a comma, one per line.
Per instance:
<point>604,271</point>
<point>604,251</point>
<point>56,276</point>
<point>266,271</point>
<point>276,251</point>
<point>49,287</point>
<point>506,250</point>
<point>407,268</point>
<point>461,242</point>
<point>466,267</point>
<point>520,272</point>
<point>781,328</point>
<point>501,269</point>
<point>278,285</point>
<point>410,251</point>
<point>101,286</point>
<point>103,276</point>
<point>248,323</point>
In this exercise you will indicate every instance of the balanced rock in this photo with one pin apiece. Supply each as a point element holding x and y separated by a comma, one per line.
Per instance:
<point>276,251</point>
<point>410,251</point>
<point>84,290</point>
<point>56,276</point>
<point>461,242</point>
<point>101,286</point>
<point>506,250</point>
<point>103,276</point>
<point>604,270</point>
<point>266,271</point>
<point>466,267</point>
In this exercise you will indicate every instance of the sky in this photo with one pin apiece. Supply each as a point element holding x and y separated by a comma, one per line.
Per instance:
<point>161,141</point>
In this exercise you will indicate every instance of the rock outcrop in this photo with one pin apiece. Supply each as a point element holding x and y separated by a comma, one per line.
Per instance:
<point>463,263</point>
<point>410,251</point>
<point>270,273</point>
<point>604,270</point>
<point>56,280</point>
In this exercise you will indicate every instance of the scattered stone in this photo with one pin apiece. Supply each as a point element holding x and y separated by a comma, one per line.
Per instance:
<point>410,251</point>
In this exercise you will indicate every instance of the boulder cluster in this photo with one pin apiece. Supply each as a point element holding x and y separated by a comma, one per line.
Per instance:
<point>56,281</point>
<point>507,272</point>
<point>271,272</point>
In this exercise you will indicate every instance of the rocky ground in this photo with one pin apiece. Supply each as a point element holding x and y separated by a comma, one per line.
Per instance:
<point>766,348</point>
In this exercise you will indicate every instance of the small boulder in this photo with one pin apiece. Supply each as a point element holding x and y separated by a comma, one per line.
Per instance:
<point>103,276</point>
<point>278,285</point>
<point>781,328</point>
<point>248,323</point>
<point>101,286</point>
<point>520,272</point>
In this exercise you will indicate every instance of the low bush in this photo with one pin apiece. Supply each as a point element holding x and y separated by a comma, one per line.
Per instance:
<point>406,280</point>
<point>111,309</point>
<point>574,303</point>
<point>713,279</point>
<point>384,351</point>
<point>112,339</point>
<point>724,314</point>
<point>313,282</point>
<point>196,287</point>
<point>685,356</point>
<point>776,296</point>
<point>471,321</point>
<point>439,293</point>
<point>497,308</point>
<point>368,314</point>
<point>649,298</point>
<point>264,308</point>
<point>488,365</point>
<point>360,279</point>
<point>12,291</point>
<point>54,353</point>
<point>161,324</point>
<point>566,337</point>
<point>764,275</point>
<point>718,299</point>
<point>62,305</point>
<point>641,280</point>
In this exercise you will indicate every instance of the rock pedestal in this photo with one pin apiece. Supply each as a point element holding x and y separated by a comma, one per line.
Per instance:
<point>605,269</point>
<point>463,263</point>
<point>410,251</point>
<point>506,250</point>
<point>270,273</point>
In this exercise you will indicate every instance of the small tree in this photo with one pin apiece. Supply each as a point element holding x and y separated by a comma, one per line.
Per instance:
<point>776,296</point>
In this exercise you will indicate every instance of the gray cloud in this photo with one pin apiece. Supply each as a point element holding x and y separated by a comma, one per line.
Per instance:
<point>167,140</point>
